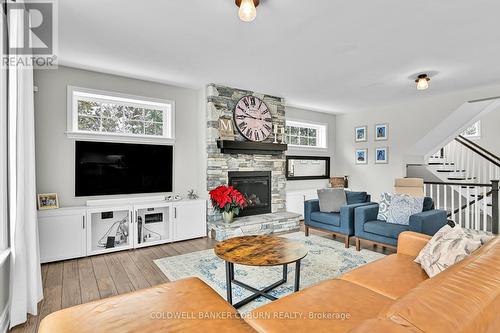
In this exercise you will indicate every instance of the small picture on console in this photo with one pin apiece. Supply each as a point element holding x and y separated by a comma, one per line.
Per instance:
<point>47,201</point>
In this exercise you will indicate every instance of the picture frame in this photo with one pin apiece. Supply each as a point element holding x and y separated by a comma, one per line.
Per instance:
<point>47,201</point>
<point>361,156</point>
<point>361,134</point>
<point>381,155</point>
<point>226,129</point>
<point>381,132</point>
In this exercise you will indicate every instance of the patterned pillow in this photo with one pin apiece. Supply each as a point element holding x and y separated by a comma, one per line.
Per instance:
<point>446,248</point>
<point>383,206</point>
<point>482,236</point>
<point>402,207</point>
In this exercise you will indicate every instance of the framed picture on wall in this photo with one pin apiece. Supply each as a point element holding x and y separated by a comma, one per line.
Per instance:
<point>381,155</point>
<point>360,134</point>
<point>381,132</point>
<point>361,156</point>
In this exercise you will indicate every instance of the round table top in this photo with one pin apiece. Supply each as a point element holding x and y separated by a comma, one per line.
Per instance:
<point>260,250</point>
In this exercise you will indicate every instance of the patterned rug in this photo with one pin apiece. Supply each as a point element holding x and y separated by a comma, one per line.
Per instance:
<point>326,259</point>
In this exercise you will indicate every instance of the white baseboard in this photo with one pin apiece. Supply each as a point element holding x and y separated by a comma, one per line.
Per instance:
<point>4,320</point>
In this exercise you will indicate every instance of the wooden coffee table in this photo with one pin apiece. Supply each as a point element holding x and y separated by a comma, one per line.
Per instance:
<point>259,251</point>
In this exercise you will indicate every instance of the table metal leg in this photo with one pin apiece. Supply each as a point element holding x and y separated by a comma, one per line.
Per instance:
<point>285,272</point>
<point>229,278</point>
<point>297,275</point>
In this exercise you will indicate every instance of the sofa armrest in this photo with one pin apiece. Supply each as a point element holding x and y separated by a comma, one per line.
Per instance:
<point>411,243</point>
<point>428,222</point>
<point>364,214</point>
<point>309,207</point>
<point>347,211</point>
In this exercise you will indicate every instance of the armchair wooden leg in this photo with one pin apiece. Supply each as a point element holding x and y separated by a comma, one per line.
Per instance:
<point>306,230</point>
<point>346,241</point>
<point>358,244</point>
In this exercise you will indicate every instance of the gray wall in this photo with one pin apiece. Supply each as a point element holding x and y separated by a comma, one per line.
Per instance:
<point>490,132</point>
<point>55,152</point>
<point>318,117</point>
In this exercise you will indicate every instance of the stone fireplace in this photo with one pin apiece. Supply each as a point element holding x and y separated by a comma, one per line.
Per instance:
<point>256,187</point>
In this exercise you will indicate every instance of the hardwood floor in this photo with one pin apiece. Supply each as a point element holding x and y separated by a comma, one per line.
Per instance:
<point>72,282</point>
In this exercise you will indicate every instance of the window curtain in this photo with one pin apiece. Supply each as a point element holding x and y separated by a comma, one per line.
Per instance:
<point>25,273</point>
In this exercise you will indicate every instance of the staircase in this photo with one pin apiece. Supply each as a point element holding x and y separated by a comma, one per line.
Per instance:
<point>462,178</point>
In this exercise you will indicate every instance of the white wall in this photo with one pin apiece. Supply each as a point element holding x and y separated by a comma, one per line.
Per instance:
<point>318,117</point>
<point>55,152</point>
<point>408,123</point>
<point>4,293</point>
<point>490,132</point>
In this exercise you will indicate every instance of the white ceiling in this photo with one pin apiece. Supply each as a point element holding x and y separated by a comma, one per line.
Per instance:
<point>330,55</point>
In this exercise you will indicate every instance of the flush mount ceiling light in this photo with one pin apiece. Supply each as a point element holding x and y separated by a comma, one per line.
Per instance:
<point>248,9</point>
<point>422,82</point>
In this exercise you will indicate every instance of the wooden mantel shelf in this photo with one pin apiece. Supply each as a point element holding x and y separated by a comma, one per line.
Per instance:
<point>248,147</point>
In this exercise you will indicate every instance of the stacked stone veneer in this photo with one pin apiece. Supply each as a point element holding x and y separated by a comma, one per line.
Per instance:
<point>220,103</point>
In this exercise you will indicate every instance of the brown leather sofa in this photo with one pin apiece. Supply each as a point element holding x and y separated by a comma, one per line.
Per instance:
<point>391,295</point>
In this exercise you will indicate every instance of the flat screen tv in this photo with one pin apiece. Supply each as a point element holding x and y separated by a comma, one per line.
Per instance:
<point>103,168</point>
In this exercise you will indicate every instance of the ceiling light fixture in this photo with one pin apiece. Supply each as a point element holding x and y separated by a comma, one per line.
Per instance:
<point>422,82</point>
<point>248,10</point>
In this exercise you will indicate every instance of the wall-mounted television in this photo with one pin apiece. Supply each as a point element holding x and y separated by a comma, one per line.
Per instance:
<point>103,168</point>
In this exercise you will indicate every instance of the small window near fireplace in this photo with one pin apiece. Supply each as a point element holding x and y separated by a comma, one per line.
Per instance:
<point>256,187</point>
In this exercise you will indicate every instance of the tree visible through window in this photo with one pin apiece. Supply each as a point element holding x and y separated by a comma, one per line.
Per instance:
<point>305,134</point>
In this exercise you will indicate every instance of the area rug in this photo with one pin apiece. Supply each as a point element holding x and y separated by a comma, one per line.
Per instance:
<point>326,259</point>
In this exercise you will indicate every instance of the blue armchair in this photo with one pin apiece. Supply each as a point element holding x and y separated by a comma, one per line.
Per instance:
<point>367,227</point>
<point>341,223</point>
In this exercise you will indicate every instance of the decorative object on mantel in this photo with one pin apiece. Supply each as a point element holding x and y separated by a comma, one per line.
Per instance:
<point>381,155</point>
<point>283,136</point>
<point>192,195</point>
<point>250,148</point>
<point>361,156</point>
<point>47,201</point>
<point>173,198</point>
<point>360,134</point>
<point>275,132</point>
<point>253,118</point>
<point>228,201</point>
<point>381,132</point>
<point>226,130</point>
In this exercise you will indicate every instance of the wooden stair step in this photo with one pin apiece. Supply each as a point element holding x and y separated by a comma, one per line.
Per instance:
<point>461,178</point>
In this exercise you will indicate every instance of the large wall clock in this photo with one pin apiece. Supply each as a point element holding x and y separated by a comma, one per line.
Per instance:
<point>253,119</point>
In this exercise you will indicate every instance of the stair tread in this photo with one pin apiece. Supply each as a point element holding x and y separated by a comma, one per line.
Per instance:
<point>449,170</point>
<point>440,163</point>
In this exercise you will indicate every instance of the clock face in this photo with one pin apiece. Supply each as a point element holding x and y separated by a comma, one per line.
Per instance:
<point>253,119</point>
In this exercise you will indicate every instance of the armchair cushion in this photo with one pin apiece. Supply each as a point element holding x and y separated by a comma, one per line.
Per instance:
<point>326,218</point>
<point>383,228</point>
<point>356,197</point>
<point>402,207</point>
<point>331,199</point>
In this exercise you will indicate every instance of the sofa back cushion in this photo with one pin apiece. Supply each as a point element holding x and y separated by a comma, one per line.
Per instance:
<point>331,199</point>
<point>463,298</point>
<point>356,197</point>
<point>428,204</point>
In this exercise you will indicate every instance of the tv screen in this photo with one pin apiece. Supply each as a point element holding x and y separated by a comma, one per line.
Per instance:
<point>103,168</point>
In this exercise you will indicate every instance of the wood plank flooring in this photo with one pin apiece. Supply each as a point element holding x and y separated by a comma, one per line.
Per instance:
<point>71,282</point>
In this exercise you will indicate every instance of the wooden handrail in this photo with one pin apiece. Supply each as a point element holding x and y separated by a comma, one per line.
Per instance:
<point>479,150</point>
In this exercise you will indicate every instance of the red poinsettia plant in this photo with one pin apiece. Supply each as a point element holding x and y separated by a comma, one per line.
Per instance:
<point>227,199</point>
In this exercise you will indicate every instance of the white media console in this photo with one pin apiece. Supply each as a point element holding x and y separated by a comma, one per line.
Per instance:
<point>116,225</point>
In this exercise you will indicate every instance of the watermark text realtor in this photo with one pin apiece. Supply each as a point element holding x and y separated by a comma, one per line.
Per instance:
<point>32,34</point>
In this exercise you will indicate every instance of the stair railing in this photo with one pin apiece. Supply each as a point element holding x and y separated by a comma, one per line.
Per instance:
<point>478,213</point>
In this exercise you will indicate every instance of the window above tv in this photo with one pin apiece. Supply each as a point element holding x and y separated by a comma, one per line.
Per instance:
<point>108,116</point>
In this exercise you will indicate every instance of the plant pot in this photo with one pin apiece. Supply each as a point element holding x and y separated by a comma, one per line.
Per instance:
<point>228,216</point>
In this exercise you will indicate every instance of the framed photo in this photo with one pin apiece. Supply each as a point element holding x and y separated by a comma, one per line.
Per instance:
<point>361,156</point>
<point>381,132</point>
<point>381,155</point>
<point>47,201</point>
<point>226,129</point>
<point>360,134</point>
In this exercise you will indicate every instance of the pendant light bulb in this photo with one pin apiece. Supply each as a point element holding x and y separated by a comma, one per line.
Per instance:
<point>247,12</point>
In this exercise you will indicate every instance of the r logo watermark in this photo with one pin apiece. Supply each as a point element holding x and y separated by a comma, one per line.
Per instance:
<point>32,34</point>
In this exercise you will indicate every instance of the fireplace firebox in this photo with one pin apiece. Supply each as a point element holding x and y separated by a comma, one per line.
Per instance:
<point>256,187</point>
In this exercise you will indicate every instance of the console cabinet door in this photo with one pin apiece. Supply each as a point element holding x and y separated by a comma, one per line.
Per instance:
<point>62,235</point>
<point>189,220</point>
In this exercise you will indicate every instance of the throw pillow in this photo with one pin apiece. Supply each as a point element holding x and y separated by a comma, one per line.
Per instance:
<point>482,236</point>
<point>446,248</point>
<point>402,207</point>
<point>383,206</point>
<point>331,199</point>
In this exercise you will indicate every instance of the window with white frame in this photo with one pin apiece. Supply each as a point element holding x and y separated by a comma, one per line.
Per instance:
<point>474,131</point>
<point>107,114</point>
<point>306,134</point>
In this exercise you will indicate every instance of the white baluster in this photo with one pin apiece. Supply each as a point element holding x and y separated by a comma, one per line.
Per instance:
<point>467,208</point>
<point>438,205</point>
<point>452,190</point>
<point>460,207</point>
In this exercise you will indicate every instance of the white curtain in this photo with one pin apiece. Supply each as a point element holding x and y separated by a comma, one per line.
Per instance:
<point>25,273</point>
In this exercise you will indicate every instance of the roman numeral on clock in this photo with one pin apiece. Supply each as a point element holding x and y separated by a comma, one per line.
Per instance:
<point>256,136</point>
<point>245,100</point>
<point>267,127</point>
<point>242,125</point>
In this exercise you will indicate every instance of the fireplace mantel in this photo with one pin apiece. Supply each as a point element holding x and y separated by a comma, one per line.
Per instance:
<point>248,147</point>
